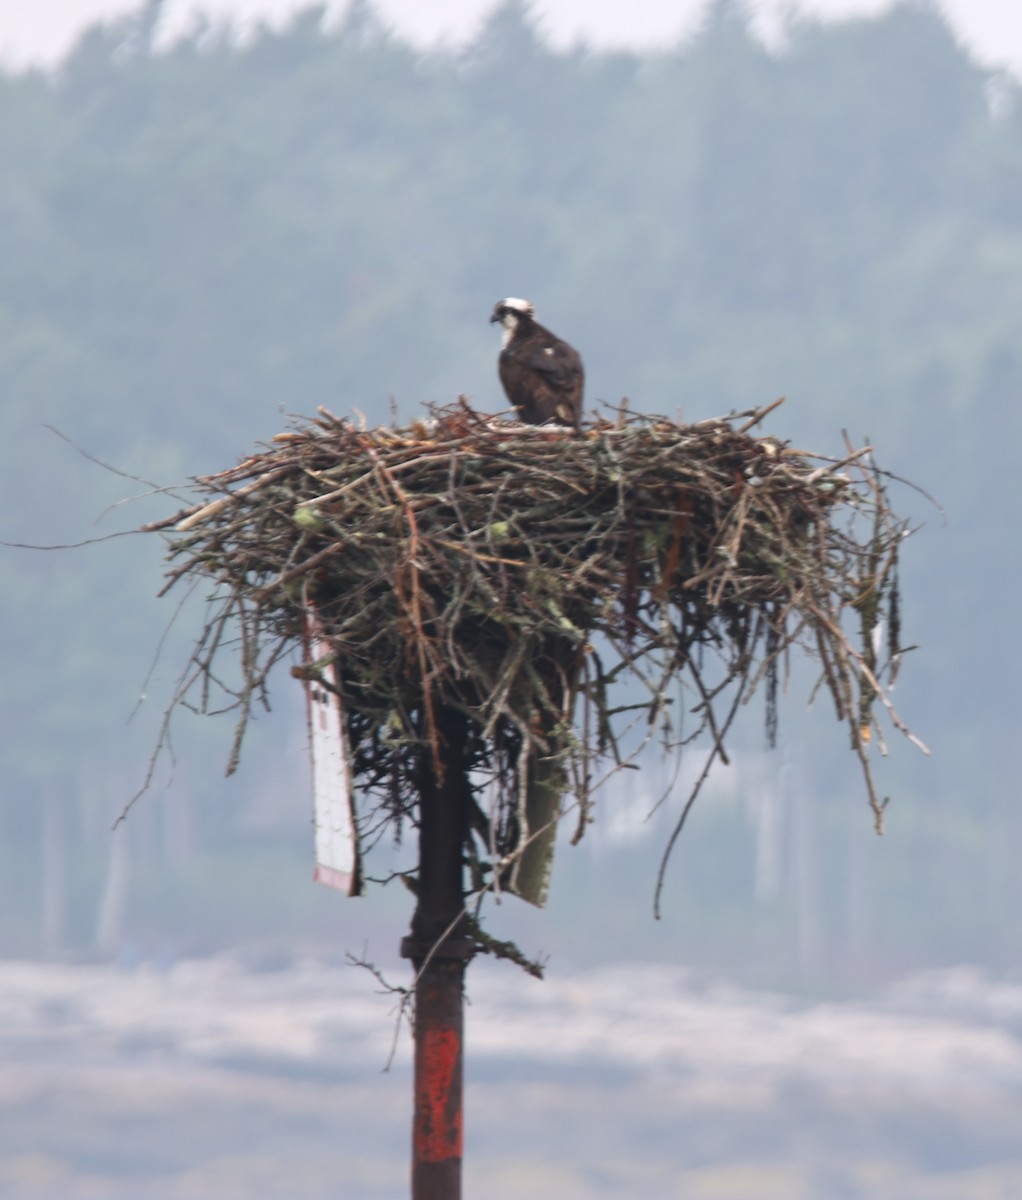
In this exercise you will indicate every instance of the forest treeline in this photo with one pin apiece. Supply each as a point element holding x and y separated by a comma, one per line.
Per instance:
<point>197,241</point>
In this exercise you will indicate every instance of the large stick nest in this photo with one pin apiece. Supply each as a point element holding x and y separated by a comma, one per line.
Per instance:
<point>518,575</point>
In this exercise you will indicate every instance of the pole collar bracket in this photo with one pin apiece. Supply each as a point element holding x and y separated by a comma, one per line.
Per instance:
<point>452,949</point>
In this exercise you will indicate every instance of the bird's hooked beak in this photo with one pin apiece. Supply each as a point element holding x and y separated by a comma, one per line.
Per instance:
<point>496,316</point>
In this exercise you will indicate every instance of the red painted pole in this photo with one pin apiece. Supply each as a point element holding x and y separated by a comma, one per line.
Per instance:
<point>440,952</point>
<point>438,1123</point>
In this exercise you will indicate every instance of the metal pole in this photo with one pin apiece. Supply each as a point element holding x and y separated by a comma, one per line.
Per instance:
<point>440,952</point>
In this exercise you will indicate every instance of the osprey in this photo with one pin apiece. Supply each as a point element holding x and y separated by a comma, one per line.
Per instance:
<point>542,375</point>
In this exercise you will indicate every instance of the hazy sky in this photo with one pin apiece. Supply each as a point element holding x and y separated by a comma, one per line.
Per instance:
<point>42,30</point>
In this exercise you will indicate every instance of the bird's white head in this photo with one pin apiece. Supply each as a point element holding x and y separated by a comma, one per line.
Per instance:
<point>509,313</point>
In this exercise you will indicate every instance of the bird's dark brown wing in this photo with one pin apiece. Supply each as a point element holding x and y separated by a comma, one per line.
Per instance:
<point>556,361</point>
<point>543,378</point>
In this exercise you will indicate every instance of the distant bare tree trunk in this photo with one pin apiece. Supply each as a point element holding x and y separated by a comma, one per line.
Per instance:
<point>768,817</point>
<point>806,851</point>
<point>113,904</point>
<point>857,894</point>
<point>54,900</point>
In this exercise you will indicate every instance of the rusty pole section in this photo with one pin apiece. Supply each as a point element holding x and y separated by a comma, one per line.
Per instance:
<point>440,952</point>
